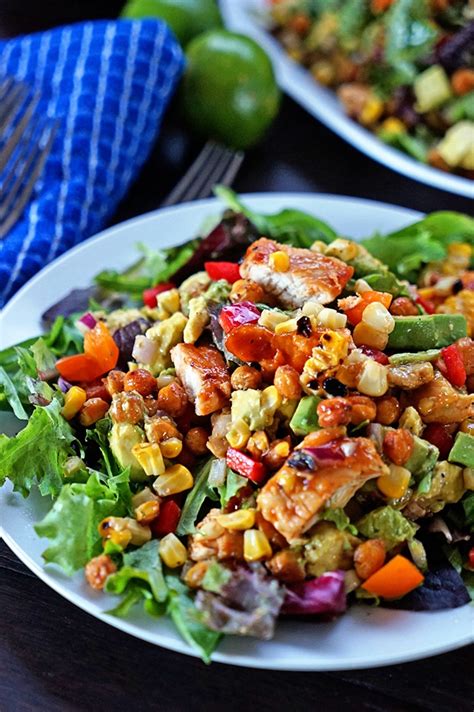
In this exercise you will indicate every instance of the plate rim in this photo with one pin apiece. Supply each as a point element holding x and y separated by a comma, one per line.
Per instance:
<point>76,598</point>
<point>294,80</point>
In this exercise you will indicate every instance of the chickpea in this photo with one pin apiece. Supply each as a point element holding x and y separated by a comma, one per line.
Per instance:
<point>286,566</point>
<point>362,408</point>
<point>114,382</point>
<point>196,440</point>
<point>333,412</point>
<point>245,377</point>
<point>287,382</point>
<point>159,428</point>
<point>151,406</point>
<point>173,399</point>
<point>97,570</point>
<point>388,410</point>
<point>276,454</point>
<point>402,306</point>
<point>140,381</point>
<point>127,408</point>
<point>97,390</point>
<point>398,445</point>
<point>244,290</point>
<point>186,458</point>
<point>93,410</point>
<point>369,557</point>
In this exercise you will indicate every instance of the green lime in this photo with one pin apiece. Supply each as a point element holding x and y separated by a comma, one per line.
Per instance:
<point>187,18</point>
<point>229,91</point>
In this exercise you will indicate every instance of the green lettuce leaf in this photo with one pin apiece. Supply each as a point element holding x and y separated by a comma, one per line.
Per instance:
<point>195,499</point>
<point>37,454</point>
<point>388,524</point>
<point>293,227</point>
<point>71,524</point>
<point>143,564</point>
<point>233,483</point>
<point>9,391</point>
<point>187,619</point>
<point>215,577</point>
<point>468,506</point>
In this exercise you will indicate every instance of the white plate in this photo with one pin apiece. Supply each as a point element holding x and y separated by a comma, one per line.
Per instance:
<point>246,16</point>
<point>362,638</point>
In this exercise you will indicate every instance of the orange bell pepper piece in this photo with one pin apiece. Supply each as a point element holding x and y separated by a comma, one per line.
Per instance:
<point>354,313</point>
<point>80,367</point>
<point>397,578</point>
<point>99,344</point>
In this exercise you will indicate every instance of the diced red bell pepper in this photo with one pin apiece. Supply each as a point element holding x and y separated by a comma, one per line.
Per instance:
<point>375,354</point>
<point>437,435</point>
<point>471,557</point>
<point>455,369</point>
<point>80,367</point>
<point>149,295</point>
<point>237,315</point>
<point>354,312</point>
<point>425,304</point>
<point>167,520</point>
<point>230,271</point>
<point>245,466</point>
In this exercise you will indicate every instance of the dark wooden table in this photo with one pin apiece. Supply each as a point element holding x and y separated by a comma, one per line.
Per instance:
<point>53,656</point>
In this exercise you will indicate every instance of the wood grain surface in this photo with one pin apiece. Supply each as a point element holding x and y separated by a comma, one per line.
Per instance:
<point>56,658</point>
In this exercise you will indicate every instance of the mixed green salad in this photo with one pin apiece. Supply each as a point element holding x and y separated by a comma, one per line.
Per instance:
<point>270,420</point>
<point>404,69</point>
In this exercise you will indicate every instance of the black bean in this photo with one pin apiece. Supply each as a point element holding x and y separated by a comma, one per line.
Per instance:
<point>334,387</point>
<point>457,286</point>
<point>303,326</point>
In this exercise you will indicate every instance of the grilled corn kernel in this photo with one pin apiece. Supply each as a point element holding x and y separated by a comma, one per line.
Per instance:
<point>197,321</point>
<point>460,250</point>
<point>287,326</point>
<point>149,457</point>
<point>343,249</point>
<point>279,261</point>
<point>335,344</point>
<point>258,444</point>
<point>124,531</point>
<point>72,466</point>
<point>177,478</point>
<point>239,520</point>
<point>411,420</point>
<point>395,484</point>
<point>194,576</point>
<point>146,495</point>
<point>239,434</point>
<point>171,448</point>
<point>147,512</point>
<point>270,319</point>
<point>372,111</point>
<point>167,303</point>
<point>332,319</point>
<point>361,286</point>
<point>311,309</point>
<point>393,125</point>
<point>172,551</point>
<point>365,335</point>
<point>73,402</point>
<point>256,545</point>
<point>282,449</point>
<point>378,317</point>
<point>270,400</point>
<point>373,379</point>
<point>319,246</point>
<point>211,529</point>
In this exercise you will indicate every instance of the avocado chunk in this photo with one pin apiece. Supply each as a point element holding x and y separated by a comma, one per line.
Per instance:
<point>122,437</point>
<point>417,357</point>
<point>305,418</point>
<point>463,450</point>
<point>388,524</point>
<point>427,331</point>
<point>423,458</point>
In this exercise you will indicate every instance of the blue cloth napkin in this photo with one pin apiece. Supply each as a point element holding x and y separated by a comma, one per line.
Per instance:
<point>108,83</point>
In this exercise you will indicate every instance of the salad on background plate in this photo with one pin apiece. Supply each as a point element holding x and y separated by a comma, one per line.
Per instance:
<point>270,421</point>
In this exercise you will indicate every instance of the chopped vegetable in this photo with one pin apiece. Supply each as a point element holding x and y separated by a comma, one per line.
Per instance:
<point>395,579</point>
<point>223,270</point>
<point>455,370</point>
<point>245,466</point>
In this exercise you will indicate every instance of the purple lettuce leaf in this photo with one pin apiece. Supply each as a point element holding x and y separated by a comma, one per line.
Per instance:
<point>322,595</point>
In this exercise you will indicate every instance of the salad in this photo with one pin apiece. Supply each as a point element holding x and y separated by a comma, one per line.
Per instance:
<point>404,69</point>
<point>269,421</point>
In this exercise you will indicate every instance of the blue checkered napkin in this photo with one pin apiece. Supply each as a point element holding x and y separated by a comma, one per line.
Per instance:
<point>108,83</point>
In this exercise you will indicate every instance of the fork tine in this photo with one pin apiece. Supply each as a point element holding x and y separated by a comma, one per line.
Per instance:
<point>234,167</point>
<point>202,187</point>
<point>40,157</point>
<point>196,167</point>
<point>19,129</point>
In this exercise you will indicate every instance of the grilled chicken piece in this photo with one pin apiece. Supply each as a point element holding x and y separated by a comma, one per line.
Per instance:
<point>203,373</point>
<point>439,402</point>
<point>293,498</point>
<point>312,277</point>
<point>212,540</point>
<point>410,376</point>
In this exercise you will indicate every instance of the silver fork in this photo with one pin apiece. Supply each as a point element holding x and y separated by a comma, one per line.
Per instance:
<point>25,144</point>
<point>214,164</point>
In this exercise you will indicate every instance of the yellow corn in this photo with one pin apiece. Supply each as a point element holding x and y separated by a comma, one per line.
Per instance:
<point>279,261</point>
<point>239,520</point>
<point>460,249</point>
<point>270,319</point>
<point>258,443</point>
<point>256,545</point>
<point>393,125</point>
<point>148,511</point>
<point>336,344</point>
<point>319,246</point>
<point>287,326</point>
<point>167,303</point>
<point>395,484</point>
<point>378,317</point>
<point>239,434</point>
<point>332,319</point>
<point>270,399</point>
<point>373,379</point>
<point>73,402</point>
<point>172,551</point>
<point>343,249</point>
<point>145,495</point>
<point>149,456</point>
<point>311,309</point>
<point>282,449</point>
<point>371,112</point>
<point>124,531</point>
<point>171,448</point>
<point>177,478</point>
